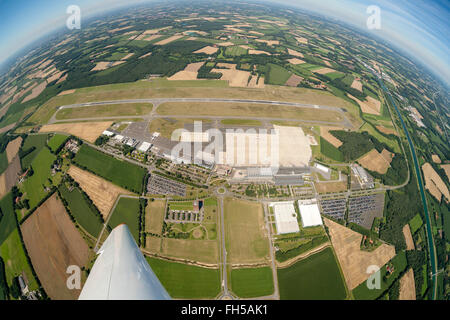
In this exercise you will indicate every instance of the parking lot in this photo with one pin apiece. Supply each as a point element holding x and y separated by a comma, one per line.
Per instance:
<point>362,210</point>
<point>161,185</point>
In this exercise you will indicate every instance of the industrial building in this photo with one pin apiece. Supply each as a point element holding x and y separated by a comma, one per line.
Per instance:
<point>285,217</point>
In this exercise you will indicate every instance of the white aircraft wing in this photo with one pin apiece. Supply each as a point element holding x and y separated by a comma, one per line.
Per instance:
<point>121,272</point>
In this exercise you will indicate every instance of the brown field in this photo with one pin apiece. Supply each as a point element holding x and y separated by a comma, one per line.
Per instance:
<point>189,73</point>
<point>36,91</point>
<point>88,131</point>
<point>53,243</point>
<point>168,40</point>
<point>353,260</point>
<point>152,37</point>
<point>324,70</point>
<point>327,63</point>
<point>206,251</point>
<point>8,127</point>
<point>235,78</point>
<point>102,193</point>
<point>408,237</point>
<point>62,93</point>
<point>153,244</point>
<point>268,42</point>
<point>207,50</point>
<point>434,183</point>
<point>302,40</point>
<point>55,76</point>
<point>12,148</point>
<point>446,168</point>
<point>128,56</point>
<point>436,158</point>
<point>246,110</point>
<point>407,286</point>
<point>145,55</point>
<point>296,61</point>
<point>293,80</point>
<point>374,161</point>
<point>324,187</point>
<point>387,130</point>
<point>253,84</point>
<point>9,177</point>
<point>251,51</point>
<point>154,216</point>
<point>102,65</point>
<point>325,133</point>
<point>257,33</point>
<point>388,156</point>
<point>295,53</point>
<point>226,44</point>
<point>371,105</point>
<point>356,84</point>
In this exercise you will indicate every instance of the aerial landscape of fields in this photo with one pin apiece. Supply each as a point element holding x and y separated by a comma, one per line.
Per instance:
<point>145,120</point>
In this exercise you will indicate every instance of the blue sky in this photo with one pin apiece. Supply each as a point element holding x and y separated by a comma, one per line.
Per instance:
<point>418,26</point>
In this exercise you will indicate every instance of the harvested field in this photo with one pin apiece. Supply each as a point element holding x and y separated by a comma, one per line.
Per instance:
<point>102,65</point>
<point>436,158</point>
<point>408,237</point>
<point>153,244</point>
<point>353,260</point>
<point>246,239</point>
<point>13,148</point>
<point>324,70</point>
<point>154,216</point>
<point>204,251</point>
<point>62,93</point>
<point>189,73</point>
<point>207,50</point>
<point>302,40</point>
<point>226,44</point>
<point>127,56</point>
<point>101,192</point>
<point>374,161</point>
<point>295,53</point>
<point>387,130</point>
<point>235,78</point>
<point>168,40</point>
<point>371,105</point>
<point>8,127</point>
<point>295,61</point>
<point>36,91</point>
<point>388,156</point>
<point>53,243</point>
<point>88,131</point>
<point>9,177</point>
<point>434,183</point>
<point>407,286</point>
<point>356,84</point>
<point>251,51</point>
<point>324,187</point>
<point>255,83</point>
<point>325,133</point>
<point>268,42</point>
<point>446,168</point>
<point>294,80</point>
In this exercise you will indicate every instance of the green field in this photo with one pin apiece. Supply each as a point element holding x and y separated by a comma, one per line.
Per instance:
<point>3,162</point>
<point>415,223</point>
<point>126,211</point>
<point>330,151</point>
<point>181,205</point>
<point>122,173</point>
<point>34,186</point>
<point>36,141</point>
<point>315,278</point>
<point>252,282</point>
<point>109,110</point>
<point>81,210</point>
<point>242,122</point>
<point>235,51</point>
<point>11,248</point>
<point>56,141</point>
<point>362,292</point>
<point>392,143</point>
<point>277,75</point>
<point>186,281</point>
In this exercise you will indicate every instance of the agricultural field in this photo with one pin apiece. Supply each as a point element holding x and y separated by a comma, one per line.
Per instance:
<point>202,251</point>
<point>53,243</point>
<point>330,151</point>
<point>102,193</point>
<point>34,187</point>
<point>127,211</point>
<point>83,212</point>
<point>56,141</point>
<point>88,131</point>
<point>314,278</point>
<point>252,282</point>
<point>415,223</point>
<point>121,173</point>
<point>184,281</point>
<point>124,109</point>
<point>154,216</point>
<point>245,233</point>
<point>32,145</point>
<point>166,126</point>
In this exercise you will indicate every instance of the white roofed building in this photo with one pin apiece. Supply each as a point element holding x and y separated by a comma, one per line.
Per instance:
<point>145,146</point>
<point>285,217</point>
<point>108,133</point>
<point>310,213</point>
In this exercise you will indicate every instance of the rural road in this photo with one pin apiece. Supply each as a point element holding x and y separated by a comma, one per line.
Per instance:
<point>157,101</point>
<point>225,294</point>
